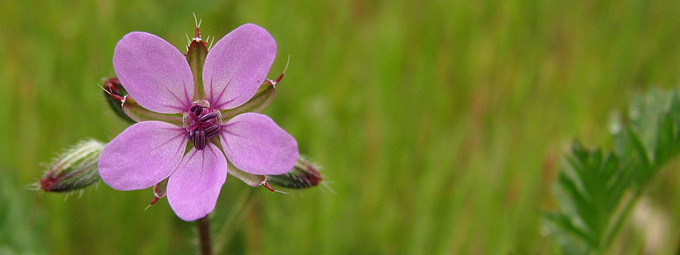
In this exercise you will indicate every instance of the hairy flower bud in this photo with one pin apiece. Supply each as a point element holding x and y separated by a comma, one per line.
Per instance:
<point>74,169</point>
<point>303,175</point>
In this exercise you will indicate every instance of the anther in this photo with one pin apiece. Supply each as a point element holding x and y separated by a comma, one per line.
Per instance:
<point>199,139</point>
<point>207,117</point>
<point>196,109</point>
<point>201,127</point>
<point>212,131</point>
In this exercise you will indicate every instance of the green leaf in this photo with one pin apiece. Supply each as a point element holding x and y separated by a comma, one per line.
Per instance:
<point>596,190</point>
<point>569,237</point>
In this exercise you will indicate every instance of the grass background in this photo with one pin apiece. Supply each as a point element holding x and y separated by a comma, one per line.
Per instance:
<point>439,124</point>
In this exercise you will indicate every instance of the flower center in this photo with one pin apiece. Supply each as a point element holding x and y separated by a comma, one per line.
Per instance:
<point>202,126</point>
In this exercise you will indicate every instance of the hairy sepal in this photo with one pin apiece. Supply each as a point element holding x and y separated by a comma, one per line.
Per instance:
<point>256,104</point>
<point>253,180</point>
<point>138,113</point>
<point>196,57</point>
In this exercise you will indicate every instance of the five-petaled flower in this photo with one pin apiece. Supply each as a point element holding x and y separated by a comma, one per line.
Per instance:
<point>158,77</point>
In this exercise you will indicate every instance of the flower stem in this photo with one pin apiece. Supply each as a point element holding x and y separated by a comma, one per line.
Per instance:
<point>204,235</point>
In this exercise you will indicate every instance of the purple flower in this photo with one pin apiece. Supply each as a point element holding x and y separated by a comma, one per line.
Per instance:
<point>158,77</point>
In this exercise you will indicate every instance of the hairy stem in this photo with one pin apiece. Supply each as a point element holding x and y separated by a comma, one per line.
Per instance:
<point>204,235</point>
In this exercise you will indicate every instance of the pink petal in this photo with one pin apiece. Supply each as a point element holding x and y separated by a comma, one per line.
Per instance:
<point>193,189</point>
<point>256,145</point>
<point>142,155</point>
<point>154,72</point>
<point>237,65</point>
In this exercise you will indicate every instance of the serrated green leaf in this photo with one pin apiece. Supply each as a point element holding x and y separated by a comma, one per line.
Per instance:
<point>596,190</point>
<point>665,140</point>
<point>570,238</point>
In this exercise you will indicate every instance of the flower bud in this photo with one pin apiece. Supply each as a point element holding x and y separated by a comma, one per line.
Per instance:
<point>74,169</point>
<point>303,175</point>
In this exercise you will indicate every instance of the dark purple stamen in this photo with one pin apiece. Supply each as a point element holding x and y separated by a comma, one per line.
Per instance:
<point>202,127</point>
<point>207,117</point>
<point>199,139</point>
<point>196,109</point>
<point>212,131</point>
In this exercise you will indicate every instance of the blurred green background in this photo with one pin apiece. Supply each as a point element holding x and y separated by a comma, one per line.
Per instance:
<point>439,124</point>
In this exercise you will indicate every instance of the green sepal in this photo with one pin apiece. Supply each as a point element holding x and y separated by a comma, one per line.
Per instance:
<point>196,57</point>
<point>160,190</point>
<point>114,94</point>
<point>253,180</point>
<point>138,113</point>
<point>256,104</point>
